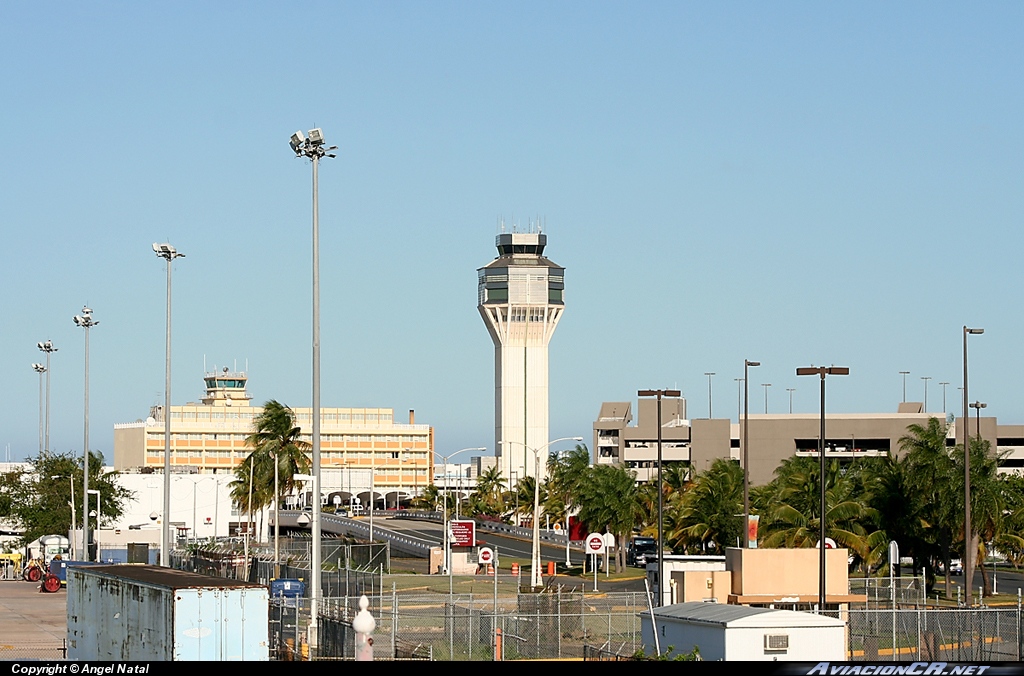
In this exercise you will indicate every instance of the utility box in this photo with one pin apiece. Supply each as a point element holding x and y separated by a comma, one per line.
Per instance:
<point>138,552</point>
<point>143,612</point>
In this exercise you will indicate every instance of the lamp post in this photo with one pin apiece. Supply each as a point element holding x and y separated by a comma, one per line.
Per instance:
<point>904,374</point>
<point>710,375</point>
<point>661,506</point>
<point>766,386</point>
<point>791,390</point>
<point>444,508</point>
<point>822,371</point>
<point>47,347</point>
<point>312,147</point>
<point>968,530</point>
<point>944,396</point>
<point>74,526</point>
<point>40,369</point>
<point>746,450</point>
<point>168,253</point>
<point>977,406</point>
<point>926,379</point>
<point>86,321</point>
<point>535,579</point>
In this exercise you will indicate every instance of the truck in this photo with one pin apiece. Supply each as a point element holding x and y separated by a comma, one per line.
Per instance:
<point>137,612</point>
<point>640,550</point>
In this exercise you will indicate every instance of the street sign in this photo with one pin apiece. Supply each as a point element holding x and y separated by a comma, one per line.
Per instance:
<point>463,533</point>
<point>485,556</point>
<point>595,543</point>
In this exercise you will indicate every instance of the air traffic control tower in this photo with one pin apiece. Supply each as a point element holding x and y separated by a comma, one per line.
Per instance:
<point>520,300</point>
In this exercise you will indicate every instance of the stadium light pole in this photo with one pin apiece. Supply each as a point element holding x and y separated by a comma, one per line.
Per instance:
<point>968,530</point>
<point>168,253</point>
<point>904,374</point>
<point>40,369</point>
<point>312,147</point>
<point>746,446</point>
<point>926,379</point>
<point>944,383</point>
<point>710,375</point>
<point>86,321</point>
<point>822,371</point>
<point>47,347</point>
<point>661,507</point>
<point>791,390</point>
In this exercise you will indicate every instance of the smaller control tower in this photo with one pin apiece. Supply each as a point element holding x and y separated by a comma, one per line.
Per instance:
<point>520,297</point>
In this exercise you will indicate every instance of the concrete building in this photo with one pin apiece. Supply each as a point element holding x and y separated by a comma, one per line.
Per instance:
<point>696,443</point>
<point>520,297</point>
<point>208,437</point>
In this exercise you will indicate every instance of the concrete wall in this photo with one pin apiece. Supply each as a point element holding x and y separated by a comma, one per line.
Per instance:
<point>786,572</point>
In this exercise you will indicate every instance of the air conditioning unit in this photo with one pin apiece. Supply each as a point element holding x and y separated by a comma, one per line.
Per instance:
<point>776,642</point>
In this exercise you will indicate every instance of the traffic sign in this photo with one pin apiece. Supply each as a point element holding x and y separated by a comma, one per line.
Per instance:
<point>595,543</point>
<point>485,555</point>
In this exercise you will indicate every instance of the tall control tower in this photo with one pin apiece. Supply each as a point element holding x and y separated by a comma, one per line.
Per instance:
<point>520,299</point>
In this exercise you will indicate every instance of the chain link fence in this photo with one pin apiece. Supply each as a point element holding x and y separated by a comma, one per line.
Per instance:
<point>882,591</point>
<point>950,635</point>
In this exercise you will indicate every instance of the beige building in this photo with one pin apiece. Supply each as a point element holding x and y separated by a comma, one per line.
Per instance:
<point>209,437</point>
<point>773,437</point>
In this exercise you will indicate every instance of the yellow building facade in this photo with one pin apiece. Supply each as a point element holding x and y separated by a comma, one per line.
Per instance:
<point>209,437</point>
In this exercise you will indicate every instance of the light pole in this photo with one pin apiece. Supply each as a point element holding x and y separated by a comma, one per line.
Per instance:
<point>791,390</point>
<point>444,507</point>
<point>313,148</point>
<point>40,369</point>
<point>710,375</point>
<point>86,321</point>
<point>944,396</point>
<point>968,531</point>
<point>926,379</point>
<point>904,374</point>
<point>822,371</point>
<point>168,253</point>
<point>661,502</point>
<point>766,386</point>
<point>535,578</point>
<point>48,348</point>
<point>746,450</point>
<point>74,525</point>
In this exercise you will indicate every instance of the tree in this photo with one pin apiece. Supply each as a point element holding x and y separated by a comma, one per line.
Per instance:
<point>566,471</point>
<point>610,501</point>
<point>39,500</point>
<point>708,513</point>
<point>275,440</point>
<point>488,499</point>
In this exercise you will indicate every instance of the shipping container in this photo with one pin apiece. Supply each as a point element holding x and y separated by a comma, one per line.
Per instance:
<point>142,612</point>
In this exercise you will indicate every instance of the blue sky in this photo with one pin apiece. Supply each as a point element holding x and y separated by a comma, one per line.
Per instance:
<point>796,183</point>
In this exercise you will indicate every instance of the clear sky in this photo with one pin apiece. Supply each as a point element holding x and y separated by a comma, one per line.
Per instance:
<point>798,183</point>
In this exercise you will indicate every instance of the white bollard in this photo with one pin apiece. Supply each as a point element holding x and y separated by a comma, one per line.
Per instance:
<point>364,624</point>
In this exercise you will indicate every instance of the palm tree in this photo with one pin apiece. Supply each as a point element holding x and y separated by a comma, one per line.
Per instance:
<point>565,471</point>
<point>275,442</point>
<point>610,502</point>
<point>708,514</point>
<point>488,499</point>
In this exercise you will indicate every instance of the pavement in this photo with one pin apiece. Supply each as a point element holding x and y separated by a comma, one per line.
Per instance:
<point>33,624</point>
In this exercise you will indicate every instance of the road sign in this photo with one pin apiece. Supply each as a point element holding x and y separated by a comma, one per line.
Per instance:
<point>463,533</point>
<point>485,555</point>
<point>595,543</point>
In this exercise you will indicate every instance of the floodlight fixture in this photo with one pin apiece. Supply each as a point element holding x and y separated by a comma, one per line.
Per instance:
<point>166,251</point>
<point>316,137</point>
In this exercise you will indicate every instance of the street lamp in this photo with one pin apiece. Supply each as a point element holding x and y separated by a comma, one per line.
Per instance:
<point>791,390</point>
<point>661,502</point>
<point>74,526</point>
<point>977,406</point>
<point>710,375</point>
<point>48,348</point>
<point>944,397</point>
<point>168,253</point>
<point>926,379</point>
<point>822,371</point>
<point>40,369</point>
<point>535,579</point>
<point>444,508</point>
<point>86,321</point>
<point>746,450</point>
<point>766,386</point>
<point>904,374</point>
<point>968,531</point>
<point>312,147</point>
